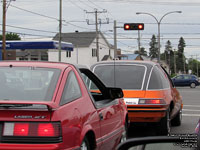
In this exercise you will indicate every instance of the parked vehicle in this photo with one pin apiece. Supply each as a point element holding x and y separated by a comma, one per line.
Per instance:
<point>53,108</point>
<point>149,93</point>
<point>186,80</point>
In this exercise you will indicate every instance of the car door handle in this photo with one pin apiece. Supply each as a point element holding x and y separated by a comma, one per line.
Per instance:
<point>101,116</point>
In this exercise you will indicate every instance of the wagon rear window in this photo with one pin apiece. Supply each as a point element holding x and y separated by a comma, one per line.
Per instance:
<point>123,76</point>
<point>158,80</point>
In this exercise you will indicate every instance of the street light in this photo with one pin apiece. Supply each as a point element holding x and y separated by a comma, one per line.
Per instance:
<point>158,22</point>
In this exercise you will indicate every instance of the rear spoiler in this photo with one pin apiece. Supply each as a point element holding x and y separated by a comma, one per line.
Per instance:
<point>51,106</point>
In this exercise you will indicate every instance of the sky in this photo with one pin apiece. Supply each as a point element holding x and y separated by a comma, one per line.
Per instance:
<point>38,19</point>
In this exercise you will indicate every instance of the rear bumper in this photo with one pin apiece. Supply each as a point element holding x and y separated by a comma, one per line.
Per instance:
<point>146,115</point>
<point>9,146</point>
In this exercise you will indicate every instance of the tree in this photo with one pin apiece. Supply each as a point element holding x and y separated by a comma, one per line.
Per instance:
<point>153,50</point>
<point>168,54</point>
<point>141,52</point>
<point>181,56</point>
<point>168,49</point>
<point>11,36</point>
<point>192,65</point>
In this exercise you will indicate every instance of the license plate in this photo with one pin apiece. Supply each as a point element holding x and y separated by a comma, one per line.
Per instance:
<point>131,101</point>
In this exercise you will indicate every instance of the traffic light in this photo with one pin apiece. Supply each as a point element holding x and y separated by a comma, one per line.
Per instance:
<point>134,26</point>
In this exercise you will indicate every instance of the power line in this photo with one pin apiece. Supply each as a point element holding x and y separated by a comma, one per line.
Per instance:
<point>119,34</point>
<point>151,2</point>
<point>19,33</point>
<point>95,4</point>
<point>85,4</point>
<point>29,29</point>
<point>34,13</point>
<point>76,5</point>
<point>49,17</point>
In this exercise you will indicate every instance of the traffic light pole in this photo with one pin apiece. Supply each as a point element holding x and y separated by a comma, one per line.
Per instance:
<point>139,42</point>
<point>60,31</point>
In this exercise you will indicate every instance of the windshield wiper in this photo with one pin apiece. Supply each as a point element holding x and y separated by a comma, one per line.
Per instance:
<point>14,105</point>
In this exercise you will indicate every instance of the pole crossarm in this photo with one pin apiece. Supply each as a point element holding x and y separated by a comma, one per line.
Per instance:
<point>96,12</point>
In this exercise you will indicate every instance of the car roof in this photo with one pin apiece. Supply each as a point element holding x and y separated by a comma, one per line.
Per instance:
<point>187,75</point>
<point>151,63</point>
<point>58,65</point>
<point>148,64</point>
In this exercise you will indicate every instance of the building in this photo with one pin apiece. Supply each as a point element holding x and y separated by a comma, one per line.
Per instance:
<point>85,51</point>
<point>32,50</point>
<point>131,57</point>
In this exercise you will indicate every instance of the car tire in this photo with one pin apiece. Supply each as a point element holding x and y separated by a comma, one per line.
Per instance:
<point>164,125</point>
<point>192,85</point>
<point>124,136</point>
<point>177,120</point>
<point>85,144</point>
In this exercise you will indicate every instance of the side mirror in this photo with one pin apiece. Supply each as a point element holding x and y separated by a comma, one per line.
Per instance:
<point>115,93</point>
<point>186,141</point>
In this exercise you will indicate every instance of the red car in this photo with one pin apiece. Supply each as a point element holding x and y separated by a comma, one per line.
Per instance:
<point>53,106</point>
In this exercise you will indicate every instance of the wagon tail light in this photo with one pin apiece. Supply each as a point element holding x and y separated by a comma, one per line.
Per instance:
<point>32,132</point>
<point>152,101</point>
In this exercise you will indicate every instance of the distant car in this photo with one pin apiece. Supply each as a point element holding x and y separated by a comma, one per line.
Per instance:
<point>53,108</point>
<point>149,93</point>
<point>186,80</point>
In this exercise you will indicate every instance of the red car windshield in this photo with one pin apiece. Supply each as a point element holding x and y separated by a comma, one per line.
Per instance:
<point>28,83</point>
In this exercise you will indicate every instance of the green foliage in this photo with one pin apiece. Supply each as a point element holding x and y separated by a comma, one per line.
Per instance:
<point>141,52</point>
<point>153,50</point>
<point>181,56</point>
<point>168,52</point>
<point>11,36</point>
<point>192,65</point>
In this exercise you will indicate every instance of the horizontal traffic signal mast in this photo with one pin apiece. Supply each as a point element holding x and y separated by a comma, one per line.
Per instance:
<point>134,26</point>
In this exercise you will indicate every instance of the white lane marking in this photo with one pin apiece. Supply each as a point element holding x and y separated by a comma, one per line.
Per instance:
<point>192,115</point>
<point>191,105</point>
<point>190,110</point>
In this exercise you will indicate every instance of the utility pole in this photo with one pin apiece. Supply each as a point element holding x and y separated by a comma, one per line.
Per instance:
<point>197,66</point>
<point>115,39</point>
<point>4,31</point>
<point>139,50</point>
<point>5,7</point>
<point>184,64</point>
<point>192,62</point>
<point>169,52</point>
<point>96,12</point>
<point>174,61</point>
<point>97,35</point>
<point>60,31</point>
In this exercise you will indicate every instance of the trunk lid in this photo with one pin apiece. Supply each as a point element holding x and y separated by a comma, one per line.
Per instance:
<point>134,94</point>
<point>26,111</point>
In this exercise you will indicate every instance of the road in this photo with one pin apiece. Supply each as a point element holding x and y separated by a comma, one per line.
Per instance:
<point>191,115</point>
<point>191,110</point>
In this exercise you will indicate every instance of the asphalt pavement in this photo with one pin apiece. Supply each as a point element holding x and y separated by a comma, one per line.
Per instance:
<point>190,116</point>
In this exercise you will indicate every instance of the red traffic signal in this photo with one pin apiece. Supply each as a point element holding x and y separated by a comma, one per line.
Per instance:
<point>134,26</point>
